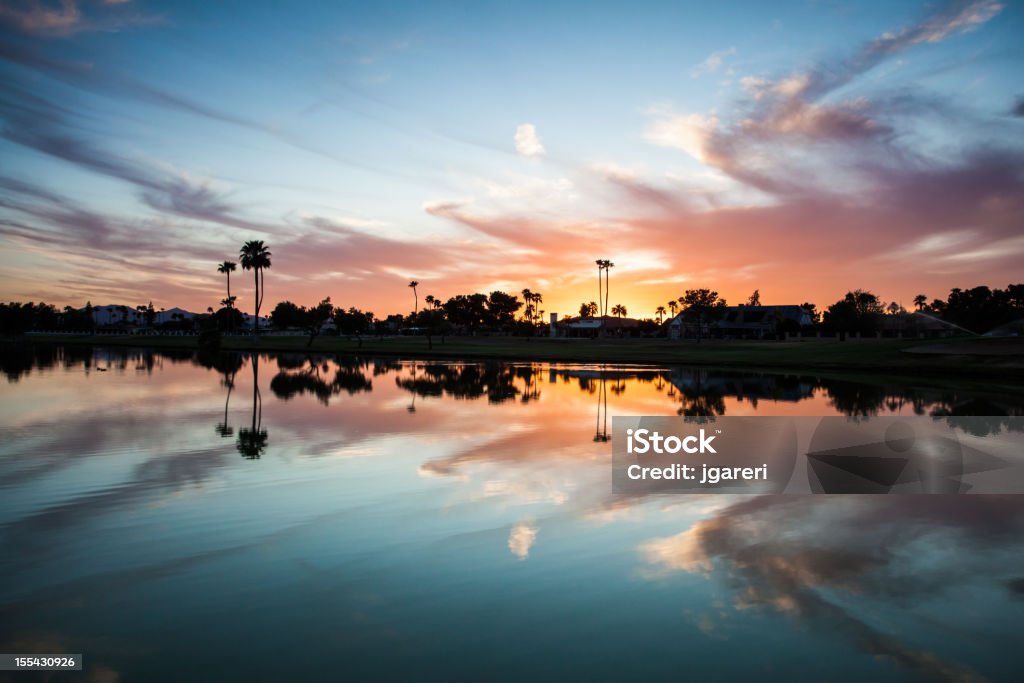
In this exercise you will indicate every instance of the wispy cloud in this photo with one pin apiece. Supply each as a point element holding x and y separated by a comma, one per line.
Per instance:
<point>712,63</point>
<point>65,17</point>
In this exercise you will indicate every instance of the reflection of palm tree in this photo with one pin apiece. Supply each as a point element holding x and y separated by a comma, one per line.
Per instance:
<point>224,429</point>
<point>255,256</point>
<point>601,431</point>
<point>253,441</point>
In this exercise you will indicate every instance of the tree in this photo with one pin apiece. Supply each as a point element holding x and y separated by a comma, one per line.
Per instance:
<point>660,311</point>
<point>920,301</point>
<point>755,298</point>
<point>415,296</point>
<point>608,265</point>
<point>600,283</point>
<point>227,267</point>
<point>700,305</point>
<point>588,310</point>
<point>811,309</point>
<point>255,256</point>
<point>501,309</point>
<point>673,306</point>
<point>315,317</point>
<point>353,322</point>
<point>893,308</point>
<point>286,314</point>
<point>618,310</point>
<point>528,299</point>
<point>856,312</point>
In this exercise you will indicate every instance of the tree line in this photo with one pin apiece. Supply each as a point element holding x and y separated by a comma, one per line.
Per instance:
<point>978,310</point>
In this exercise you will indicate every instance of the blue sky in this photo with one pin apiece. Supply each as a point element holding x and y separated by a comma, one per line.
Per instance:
<point>790,147</point>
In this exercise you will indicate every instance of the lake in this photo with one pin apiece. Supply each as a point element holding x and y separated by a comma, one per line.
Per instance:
<point>184,517</point>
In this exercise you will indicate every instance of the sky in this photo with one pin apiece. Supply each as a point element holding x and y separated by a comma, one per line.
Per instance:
<point>802,149</point>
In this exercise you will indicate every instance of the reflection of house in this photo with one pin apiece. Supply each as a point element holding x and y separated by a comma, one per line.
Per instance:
<point>742,386</point>
<point>591,327</point>
<point>750,322</point>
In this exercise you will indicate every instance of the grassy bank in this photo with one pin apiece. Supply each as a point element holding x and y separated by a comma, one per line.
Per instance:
<point>992,358</point>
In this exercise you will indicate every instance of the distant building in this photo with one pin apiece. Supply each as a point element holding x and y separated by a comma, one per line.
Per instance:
<point>592,327</point>
<point>743,322</point>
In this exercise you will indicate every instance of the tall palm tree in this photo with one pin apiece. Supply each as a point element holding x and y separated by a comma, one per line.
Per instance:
<point>600,285</point>
<point>415,296</point>
<point>618,310</point>
<point>227,267</point>
<point>660,311</point>
<point>538,298</point>
<point>255,256</point>
<point>673,306</point>
<point>919,301</point>
<point>608,265</point>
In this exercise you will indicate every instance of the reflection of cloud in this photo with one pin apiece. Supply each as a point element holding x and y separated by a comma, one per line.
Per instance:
<point>793,554</point>
<point>521,539</point>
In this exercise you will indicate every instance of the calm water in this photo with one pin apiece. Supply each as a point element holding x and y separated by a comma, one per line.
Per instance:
<point>292,518</point>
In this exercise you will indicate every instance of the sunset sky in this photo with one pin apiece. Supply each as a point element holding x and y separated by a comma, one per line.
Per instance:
<point>802,149</point>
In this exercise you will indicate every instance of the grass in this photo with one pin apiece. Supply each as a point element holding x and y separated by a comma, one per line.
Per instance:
<point>996,359</point>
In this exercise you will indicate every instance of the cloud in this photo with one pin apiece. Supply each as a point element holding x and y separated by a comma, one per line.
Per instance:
<point>521,539</point>
<point>793,135</point>
<point>956,17</point>
<point>527,142</point>
<point>65,18</point>
<point>688,132</point>
<point>712,63</point>
<point>1018,107</point>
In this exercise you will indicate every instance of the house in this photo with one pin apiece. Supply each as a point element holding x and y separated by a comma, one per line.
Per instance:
<point>743,322</point>
<point>592,327</point>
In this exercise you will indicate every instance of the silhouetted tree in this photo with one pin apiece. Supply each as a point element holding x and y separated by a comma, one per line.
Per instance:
<point>227,267</point>
<point>755,298</point>
<point>255,256</point>
<point>702,305</point>
<point>415,296</point>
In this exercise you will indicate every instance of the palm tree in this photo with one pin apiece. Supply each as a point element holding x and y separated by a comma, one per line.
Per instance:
<point>673,306</point>
<point>608,265</point>
<point>600,267</point>
<point>528,298</point>
<point>227,267</point>
<point>919,301</point>
<point>538,298</point>
<point>618,310</point>
<point>660,311</point>
<point>415,296</point>
<point>430,300</point>
<point>255,256</point>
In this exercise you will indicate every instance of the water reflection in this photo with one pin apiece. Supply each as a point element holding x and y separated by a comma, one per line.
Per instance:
<point>845,565</point>
<point>252,441</point>
<point>373,533</point>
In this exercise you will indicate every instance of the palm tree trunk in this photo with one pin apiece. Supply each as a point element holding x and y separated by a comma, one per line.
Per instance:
<point>607,270</point>
<point>600,299</point>
<point>256,318</point>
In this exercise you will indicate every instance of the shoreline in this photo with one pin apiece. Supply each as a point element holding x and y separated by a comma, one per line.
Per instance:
<point>978,358</point>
